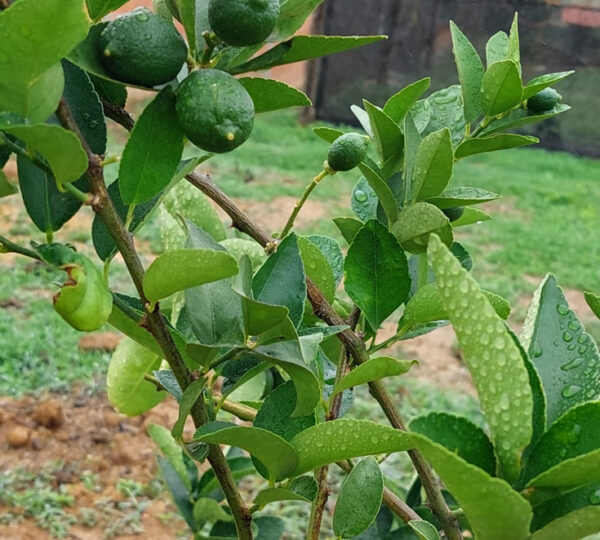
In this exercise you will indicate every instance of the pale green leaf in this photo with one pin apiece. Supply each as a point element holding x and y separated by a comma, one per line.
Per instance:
<point>387,135</point>
<point>382,190</point>
<point>543,81</point>
<point>6,188</point>
<point>424,530</point>
<point>327,134</point>
<point>171,450</point>
<point>348,226</point>
<point>271,95</point>
<point>292,16</point>
<point>522,117</point>
<point>574,526</point>
<point>400,103</point>
<point>433,166</point>
<point>491,144</point>
<point>98,8</point>
<point>496,48</point>
<point>208,510</point>
<point>417,222</point>
<point>462,196</point>
<point>188,399</point>
<point>513,51</point>
<point>593,300</point>
<point>501,87</point>
<point>471,216</point>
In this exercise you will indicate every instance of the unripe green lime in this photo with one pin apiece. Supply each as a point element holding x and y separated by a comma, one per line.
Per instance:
<point>243,22</point>
<point>214,110</point>
<point>454,213</point>
<point>142,48</point>
<point>543,101</point>
<point>347,151</point>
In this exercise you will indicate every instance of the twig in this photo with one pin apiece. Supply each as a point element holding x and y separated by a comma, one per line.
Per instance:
<point>105,209</point>
<point>6,246</point>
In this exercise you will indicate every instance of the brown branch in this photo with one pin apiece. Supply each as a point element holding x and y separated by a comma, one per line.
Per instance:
<point>118,114</point>
<point>5,4</point>
<point>105,209</point>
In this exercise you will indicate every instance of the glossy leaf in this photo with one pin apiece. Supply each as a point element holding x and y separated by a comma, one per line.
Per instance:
<point>349,227</point>
<point>178,490</point>
<point>399,104</point>
<point>513,50</point>
<point>152,153</point>
<point>544,81</point>
<point>109,91</point>
<point>470,72</point>
<point>188,399</point>
<point>593,301</point>
<point>491,144</point>
<point>433,166</point>
<point>240,467</point>
<point>260,317</point>
<point>373,370</point>
<point>496,48</point>
<point>568,454</point>
<point>292,16</point>
<point>359,499</point>
<point>303,48</point>
<point>279,456</point>
<point>442,109</point>
<point>59,147</point>
<point>417,222</point>
<point>171,450</point>
<point>424,530</point>
<point>574,526</point>
<point>501,87</point>
<point>332,252</point>
<point>387,135</point>
<point>270,495</point>
<point>98,8</point>
<point>494,510</point>
<point>187,10</point>
<point>364,200</point>
<point>565,356</point>
<point>317,269</point>
<point>458,435</point>
<point>491,355</point>
<point>272,95</point>
<point>181,269</point>
<point>30,50</point>
<point>327,134</point>
<point>128,391</point>
<point>384,194</point>
<point>48,208</point>
<point>208,510</point>
<point>471,216</point>
<point>376,273</point>
<point>462,196</point>
<point>344,439</point>
<point>522,117</point>
<point>6,188</point>
<point>281,280</point>
<point>363,118</point>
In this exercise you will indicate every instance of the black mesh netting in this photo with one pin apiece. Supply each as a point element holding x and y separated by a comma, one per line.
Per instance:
<point>556,35</point>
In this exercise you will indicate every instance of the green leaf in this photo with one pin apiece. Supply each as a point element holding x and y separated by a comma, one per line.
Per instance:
<point>30,50</point>
<point>109,91</point>
<point>373,370</point>
<point>187,10</point>
<point>376,273</point>
<point>278,455</point>
<point>85,106</point>
<point>188,399</point>
<point>215,309</point>
<point>442,109</point>
<point>336,440</point>
<point>171,450</point>
<point>316,267</point>
<point>491,144</point>
<point>48,208</point>
<point>565,356</point>
<point>387,135</point>
<point>303,48</point>
<point>400,103</point>
<point>181,269</point>
<point>417,222</point>
<point>98,8</point>
<point>458,435</point>
<point>544,81</point>
<point>179,491</point>
<point>522,117</point>
<point>364,200</point>
<point>568,454</point>
<point>382,190</point>
<point>359,499</point>
<point>494,510</point>
<point>59,147</point>
<point>348,226</point>
<point>292,16</point>
<point>128,391</point>
<point>471,216</point>
<point>462,196</point>
<point>6,188</point>
<point>491,355</point>
<point>281,280</point>
<point>152,153</point>
<point>513,51</point>
<point>424,530</point>
<point>327,134</point>
<point>260,317</point>
<point>296,357</point>
<point>433,166</point>
<point>574,526</point>
<point>501,87</point>
<point>332,252</point>
<point>208,511</point>
<point>496,48</point>
<point>270,495</point>
<point>240,247</point>
<point>470,72</point>
<point>240,467</point>
<point>593,300</point>
<point>272,95</point>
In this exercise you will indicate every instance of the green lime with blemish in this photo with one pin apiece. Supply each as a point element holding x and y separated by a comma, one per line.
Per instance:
<point>243,22</point>
<point>544,100</point>
<point>214,110</point>
<point>142,48</point>
<point>347,151</point>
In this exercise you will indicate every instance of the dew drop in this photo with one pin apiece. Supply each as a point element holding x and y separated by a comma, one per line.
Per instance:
<point>360,195</point>
<point>499,343</point>
<point>570,391</point>
<point>575,363</point>
<point>537,350</point>
<point>595,497</point>
<point>582,338</point>
<point>562,309</point>
<point>574,325</point>
<point>567,336</point>
<point>582,349</point>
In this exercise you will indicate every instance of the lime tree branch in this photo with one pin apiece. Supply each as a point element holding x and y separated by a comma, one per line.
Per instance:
<point>351,341</point>
<point>6,246</point>
<point>105,209</point>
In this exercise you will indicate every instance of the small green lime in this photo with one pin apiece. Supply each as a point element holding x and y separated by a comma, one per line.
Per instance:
<point>142,48</point>
<point>214,110</point>
<point>243,22</point>
<point>543,101</point>
<point>347,151</point>
<point>454,213</point>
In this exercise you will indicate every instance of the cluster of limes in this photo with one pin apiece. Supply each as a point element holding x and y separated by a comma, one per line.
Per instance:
<point>214,110</point>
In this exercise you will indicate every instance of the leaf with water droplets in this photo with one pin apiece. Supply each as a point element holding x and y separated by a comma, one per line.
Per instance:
<point>359,499</point>
<point>521,117</point>
<point>568,454</point>
<point>574,526</point>
<point>417,223</point>
<point>364,200</point>
<point>424,530</point>
<point>348,226</point>
<point>277,454</point>
<point>501,87</point>
<point>494,510</point>
<point>387,135</point>
<point>493,358</point>
<point>317,269</point>
<point>333,253</point>
<point>593,300</point>
<point>382,190</point>
<point>433,166</point>
<point>327,134</point>
<point>494,143</point>
<point>400,103</point>
<point>462,196</point>
<point>544,81</point>
<point>564,354</point>
<point>470,73</point>
<point>496,48</point>
<point>344,439</point>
